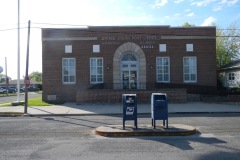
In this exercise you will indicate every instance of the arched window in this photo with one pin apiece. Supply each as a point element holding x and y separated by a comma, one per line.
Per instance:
<point>129,57</point>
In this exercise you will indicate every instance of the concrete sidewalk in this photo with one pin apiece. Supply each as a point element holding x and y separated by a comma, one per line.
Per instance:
<point>108,109</point>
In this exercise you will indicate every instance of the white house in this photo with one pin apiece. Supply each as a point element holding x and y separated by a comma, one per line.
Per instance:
<point>230,74</point>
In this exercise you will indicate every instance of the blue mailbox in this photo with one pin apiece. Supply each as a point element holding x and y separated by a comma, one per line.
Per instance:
<point>159,108</point>
<point>129,103</point>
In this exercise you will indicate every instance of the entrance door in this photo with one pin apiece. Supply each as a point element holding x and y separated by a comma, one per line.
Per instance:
<point>129,79</point>
<point>129,71</point>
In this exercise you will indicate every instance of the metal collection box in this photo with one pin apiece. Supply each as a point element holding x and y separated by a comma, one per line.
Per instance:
<point>129,104</point>
<point>159,108</point>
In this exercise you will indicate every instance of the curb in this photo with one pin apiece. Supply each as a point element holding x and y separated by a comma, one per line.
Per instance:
<point>145,130</point>
<point>11,114</point>
<point>120,114</point>
<point>14,114</point>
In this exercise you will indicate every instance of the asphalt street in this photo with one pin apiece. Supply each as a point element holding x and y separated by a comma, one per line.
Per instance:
<point>72,137</point>
<point>9,99</point>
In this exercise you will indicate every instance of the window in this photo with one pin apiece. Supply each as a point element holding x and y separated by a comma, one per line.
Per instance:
<point>162,48</point>
<point>190,69</point>
<point>96,70</point>
<point>231,77</point>
<point>68,70</point>
<point>68,48</point>
<point>96,48</point>
<point>189,47</point>
<point>129,57</point>
<point>163,69</point>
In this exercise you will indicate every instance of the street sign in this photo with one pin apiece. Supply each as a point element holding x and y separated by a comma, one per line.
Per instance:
<point>27,81</point>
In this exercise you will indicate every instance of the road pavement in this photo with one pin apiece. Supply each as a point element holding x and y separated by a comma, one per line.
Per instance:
<point>71,137</point>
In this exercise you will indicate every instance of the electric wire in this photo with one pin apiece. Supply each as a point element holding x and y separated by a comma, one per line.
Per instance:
<point>37,25</point>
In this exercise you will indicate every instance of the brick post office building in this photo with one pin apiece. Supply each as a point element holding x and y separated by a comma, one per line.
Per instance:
<point>100,63</point>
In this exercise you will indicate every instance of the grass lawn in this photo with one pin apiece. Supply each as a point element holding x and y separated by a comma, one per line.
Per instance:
<point>9,94</point>
<point>31,102</point>
<point>38,102</point>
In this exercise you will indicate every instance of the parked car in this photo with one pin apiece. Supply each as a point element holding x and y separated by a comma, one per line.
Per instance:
<point>2,91</point>
<point>22,90</point>
<point>13,88</point>
<point>9,89</point>
<point>30,89</point>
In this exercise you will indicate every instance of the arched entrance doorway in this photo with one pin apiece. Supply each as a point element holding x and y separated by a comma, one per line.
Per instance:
<point>129,71</point>
<point>129,61</point>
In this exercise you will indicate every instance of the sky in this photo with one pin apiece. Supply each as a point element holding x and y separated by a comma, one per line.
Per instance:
<point>81,13</point>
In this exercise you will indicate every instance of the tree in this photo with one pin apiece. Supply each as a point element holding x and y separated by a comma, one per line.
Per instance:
<point>227,44</point>
<point>36,76</point>
<point>3,78</point>
<point>186,24</point>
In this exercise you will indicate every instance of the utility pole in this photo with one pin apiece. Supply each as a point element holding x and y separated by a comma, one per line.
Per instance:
<point>7,81</point>
<point>18,70</point>
<point>27,80</point>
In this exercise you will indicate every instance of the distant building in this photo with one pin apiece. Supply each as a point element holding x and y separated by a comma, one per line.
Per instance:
<point>230,74</point>
<point>22,84</point>
<point>100,63</point>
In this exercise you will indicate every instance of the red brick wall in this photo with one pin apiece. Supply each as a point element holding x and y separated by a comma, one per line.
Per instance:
<point>115,96</point>
<point>54,51</point>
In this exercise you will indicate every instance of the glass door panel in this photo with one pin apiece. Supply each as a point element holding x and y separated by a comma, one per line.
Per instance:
<point>125,76</point>
<point>129,79</point>
<point>133,80</point>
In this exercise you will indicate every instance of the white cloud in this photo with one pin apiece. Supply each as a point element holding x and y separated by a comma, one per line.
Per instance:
<point>233,2</point>
<point>217,8</point>
<point>190,14</point>
<point>229,2</point>
<point>178,1</point>
<point>129,7</point>
<point>159,3</point>
<point>210,21</point>
<point>223,3</point>
<point>203,2</point>
<point>140,18</point>
<point>187,10</point>
<point>177,14</point>
<point>139,7</point>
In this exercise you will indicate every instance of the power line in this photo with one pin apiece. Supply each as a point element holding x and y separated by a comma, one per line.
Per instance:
<point>10,29</point>
<point>15,24</point>
<point>228,29</point>
<point>116,32</point>
<point>53,24</point>
<point>76,25</point>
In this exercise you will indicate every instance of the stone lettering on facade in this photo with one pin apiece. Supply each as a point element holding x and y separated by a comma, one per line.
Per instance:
<point>147,46</point>
<point>151,37</point>
<point>146,42</point>
<point>110,38</point>
<point>110,43</point>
